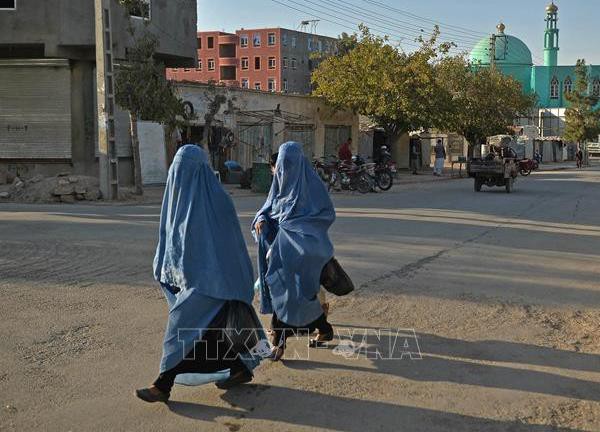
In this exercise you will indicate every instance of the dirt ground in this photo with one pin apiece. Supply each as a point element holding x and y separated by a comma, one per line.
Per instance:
<point>501,291</point>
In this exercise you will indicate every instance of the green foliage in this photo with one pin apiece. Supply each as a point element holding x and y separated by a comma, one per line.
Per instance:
<point>141,86</point>
<point>398,91</point>
<point>427,88</point>
<point>135,7</point>
<point>582,121</point>
<point>483,101</point>
<point>346,43</point>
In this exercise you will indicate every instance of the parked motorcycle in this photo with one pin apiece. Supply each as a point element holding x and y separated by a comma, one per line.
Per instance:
<point>356,176</point>
<point>327,169</point>
<point>526,166</point>
<point>381,172</point>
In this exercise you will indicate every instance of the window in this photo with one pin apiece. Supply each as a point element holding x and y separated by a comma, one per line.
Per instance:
<point>554,88</point>
<point>245,63</point>
<point>199,43</point>
<point>271,84</point>
<point>596,88</point>
<point>199,68</point>
<point>211,64</point>
<point>271,39</point>
<point>286,63</point>
<point>211,42</point>
<point>285,85</point>
<point>256,63</point>
<point>310,44</point>
<point>245,83</point>
<point>244,41</point>
<point>294,63</point>
<point>256,86</point>
<point>568,85</point>
<point>320,45</point>
<point>8,4</point>
<point>284,39</point>
<point>186,69</point>
<point>141,9</point>
<point>293,41</point>
<point>256,40</point>
<point>272,63</point>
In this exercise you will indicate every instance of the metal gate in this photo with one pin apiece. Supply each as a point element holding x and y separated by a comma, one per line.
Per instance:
<point>303,134</point>
<point>254,141</point>
<point>35,109</point>
<point>334,136</point>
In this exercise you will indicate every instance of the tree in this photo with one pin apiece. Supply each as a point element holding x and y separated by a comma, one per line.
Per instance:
<point>398,91</point>
<point>142,89</point>
<point>484,101</point>
<point>582,120</point>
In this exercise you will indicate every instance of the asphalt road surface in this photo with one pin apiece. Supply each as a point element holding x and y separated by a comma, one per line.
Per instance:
<point>501,290</point>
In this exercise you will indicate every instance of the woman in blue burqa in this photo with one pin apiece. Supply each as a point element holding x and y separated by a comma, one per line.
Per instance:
<point>203,267</point>
<point>293,247</point>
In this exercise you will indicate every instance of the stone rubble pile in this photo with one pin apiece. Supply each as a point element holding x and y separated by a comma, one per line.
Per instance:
<point>64,188</point>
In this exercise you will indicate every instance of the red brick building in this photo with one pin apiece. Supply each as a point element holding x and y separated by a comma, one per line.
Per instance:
<point>272,59</point>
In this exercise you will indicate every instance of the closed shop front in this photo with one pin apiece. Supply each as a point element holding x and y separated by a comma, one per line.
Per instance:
<point>35,109</point>
<point>303,134</point>
<point>334,136</point>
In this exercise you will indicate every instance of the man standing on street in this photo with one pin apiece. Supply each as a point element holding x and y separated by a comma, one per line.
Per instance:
<point>579,157</point>
<point>440,157</point>
<point>345,151</point>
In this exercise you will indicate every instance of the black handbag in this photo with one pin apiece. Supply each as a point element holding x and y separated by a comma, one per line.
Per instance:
<point>242,326</point>
<point>335,280</point>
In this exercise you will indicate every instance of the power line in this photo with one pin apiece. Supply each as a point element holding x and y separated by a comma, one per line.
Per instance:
<point>342,23</point>
<point>437,22</point>
<point>407,25</point>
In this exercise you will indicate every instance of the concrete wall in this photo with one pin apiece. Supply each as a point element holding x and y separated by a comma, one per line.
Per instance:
<point>65,29</point>
<point>313,111</point>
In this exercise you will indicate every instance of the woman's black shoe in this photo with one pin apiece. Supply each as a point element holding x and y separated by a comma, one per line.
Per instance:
<point>152,395</point>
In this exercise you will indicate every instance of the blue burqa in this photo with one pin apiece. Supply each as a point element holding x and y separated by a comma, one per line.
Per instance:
<point>201,259</point>
<point>297,214</point>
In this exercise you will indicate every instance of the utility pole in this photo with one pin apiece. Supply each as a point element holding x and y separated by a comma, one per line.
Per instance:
<point>105,95</point>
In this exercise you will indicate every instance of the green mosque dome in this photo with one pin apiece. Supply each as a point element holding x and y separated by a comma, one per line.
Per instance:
<point>510,50</point>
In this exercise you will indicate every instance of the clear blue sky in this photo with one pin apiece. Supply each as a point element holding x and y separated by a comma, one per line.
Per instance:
<point>578,20</point>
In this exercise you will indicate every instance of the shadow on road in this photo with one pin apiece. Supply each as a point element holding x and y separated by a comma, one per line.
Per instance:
<point>316,410</point>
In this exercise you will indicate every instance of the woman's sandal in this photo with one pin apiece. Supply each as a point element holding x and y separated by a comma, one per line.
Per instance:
<point>320,339</point>
<point>277,353</point>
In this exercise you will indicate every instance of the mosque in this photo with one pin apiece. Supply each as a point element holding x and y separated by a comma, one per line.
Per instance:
<point>550,81</point>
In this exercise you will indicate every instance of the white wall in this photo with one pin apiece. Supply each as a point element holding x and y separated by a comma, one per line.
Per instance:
<point>152,153</point>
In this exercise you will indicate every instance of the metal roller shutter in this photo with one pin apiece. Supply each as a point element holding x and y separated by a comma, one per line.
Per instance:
<point>35,109</point>
<point>303,134</point>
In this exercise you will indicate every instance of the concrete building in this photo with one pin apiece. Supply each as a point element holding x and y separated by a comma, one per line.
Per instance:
<point>252,124</point>
<point>47,79</point>
<point>271,59</point>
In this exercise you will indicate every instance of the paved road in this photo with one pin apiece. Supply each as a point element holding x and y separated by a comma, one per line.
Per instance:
<point>501,290</point>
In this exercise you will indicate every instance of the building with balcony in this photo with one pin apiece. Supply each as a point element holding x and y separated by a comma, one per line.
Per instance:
<point>270,59</point>
<point>48,120</point>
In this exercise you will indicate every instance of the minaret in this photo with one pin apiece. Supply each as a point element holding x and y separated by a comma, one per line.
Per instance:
<point>551,36</point>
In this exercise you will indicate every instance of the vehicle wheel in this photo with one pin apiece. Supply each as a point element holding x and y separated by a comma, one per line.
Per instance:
<point>384,180</point>
<point>509,185</point>
<point>525,172</point>
<point>363,185</point>
<point>332,181</point>
<point>478,184</point>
